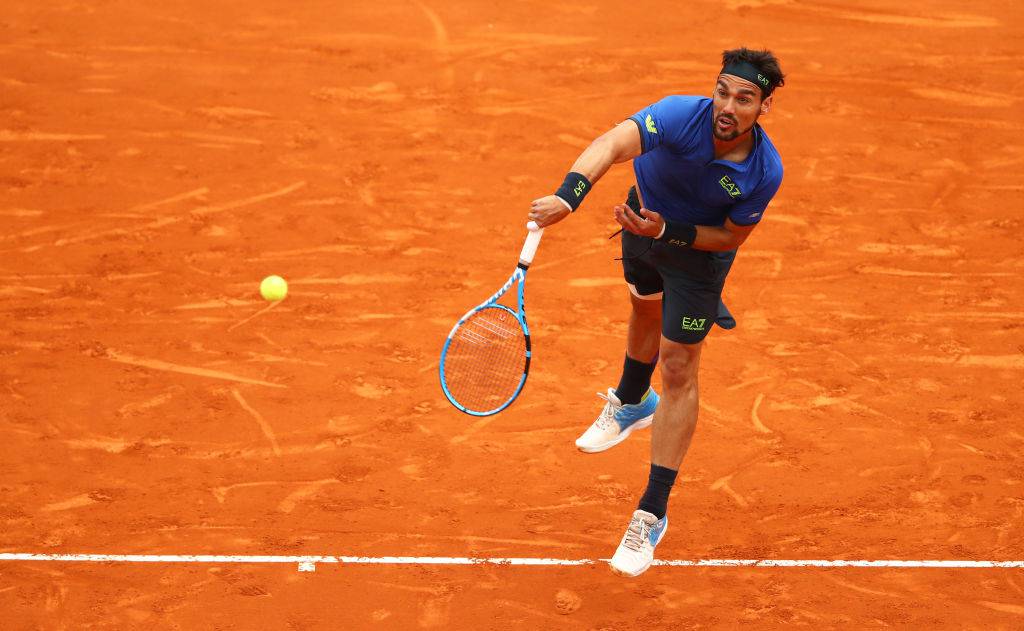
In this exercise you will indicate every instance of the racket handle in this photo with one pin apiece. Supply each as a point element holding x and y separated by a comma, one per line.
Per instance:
<point>532,241</point>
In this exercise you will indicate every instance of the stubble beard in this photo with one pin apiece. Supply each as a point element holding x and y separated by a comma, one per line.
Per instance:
<point>727,136</point>
<point>730,135</point>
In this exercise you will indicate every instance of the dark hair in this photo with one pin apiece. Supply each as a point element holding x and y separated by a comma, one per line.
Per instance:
<point>763,60</point>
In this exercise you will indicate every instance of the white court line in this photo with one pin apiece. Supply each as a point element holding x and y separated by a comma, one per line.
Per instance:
<point>308,563</point>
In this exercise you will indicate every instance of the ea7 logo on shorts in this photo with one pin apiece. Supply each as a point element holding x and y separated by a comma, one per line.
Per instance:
<point>649,123</point>
<point>694,324</point>
<point>730,186</point>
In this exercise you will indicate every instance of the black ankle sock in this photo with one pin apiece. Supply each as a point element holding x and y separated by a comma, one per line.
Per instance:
<point>635,380</point>
<point>659,485</point>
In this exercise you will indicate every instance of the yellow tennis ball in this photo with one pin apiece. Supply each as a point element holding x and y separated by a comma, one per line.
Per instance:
<point>274,288</point>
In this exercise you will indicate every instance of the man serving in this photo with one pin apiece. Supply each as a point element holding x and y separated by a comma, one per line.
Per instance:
<point>705,172</point>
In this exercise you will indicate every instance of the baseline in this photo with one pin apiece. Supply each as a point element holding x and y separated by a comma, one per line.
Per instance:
<point>307,563</point>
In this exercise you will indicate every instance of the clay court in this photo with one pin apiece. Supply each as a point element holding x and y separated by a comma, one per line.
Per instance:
<point>157,162</point>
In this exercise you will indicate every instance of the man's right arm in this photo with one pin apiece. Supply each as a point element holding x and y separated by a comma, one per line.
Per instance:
<point>619,144</point>
<point>616,145</point>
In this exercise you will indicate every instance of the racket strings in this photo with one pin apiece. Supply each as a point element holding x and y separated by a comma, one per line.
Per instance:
<point>486,359</point>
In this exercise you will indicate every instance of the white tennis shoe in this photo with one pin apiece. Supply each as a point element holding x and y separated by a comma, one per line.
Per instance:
<point>617,421</point>
<point>636,550</point>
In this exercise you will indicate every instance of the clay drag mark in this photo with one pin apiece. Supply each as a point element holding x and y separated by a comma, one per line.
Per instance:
<point>158,162</point>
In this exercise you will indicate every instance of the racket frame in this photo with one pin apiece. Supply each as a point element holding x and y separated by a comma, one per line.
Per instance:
<point>518,276</point>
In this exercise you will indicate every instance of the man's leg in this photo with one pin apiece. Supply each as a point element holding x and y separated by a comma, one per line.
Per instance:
<point>631,405</point>
<point>689,309</point>
<point>674,422</point>
<point>644,335</point>
<point>676,417</point>
<point>641,349</point>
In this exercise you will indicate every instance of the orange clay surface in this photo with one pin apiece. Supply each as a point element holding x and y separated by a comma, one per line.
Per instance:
<point>156,163</point>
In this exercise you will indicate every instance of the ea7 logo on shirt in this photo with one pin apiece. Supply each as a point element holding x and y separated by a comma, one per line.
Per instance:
<point>694,324</point>
<point>730,187</point>
<point>649,122</point>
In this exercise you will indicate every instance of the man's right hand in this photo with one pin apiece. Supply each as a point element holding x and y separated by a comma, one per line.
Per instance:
<point>548,210</point>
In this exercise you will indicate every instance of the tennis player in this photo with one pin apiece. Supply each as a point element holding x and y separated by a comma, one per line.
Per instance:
<point>705,172</point>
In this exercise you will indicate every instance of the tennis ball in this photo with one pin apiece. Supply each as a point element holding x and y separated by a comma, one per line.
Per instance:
<point>274,288</point>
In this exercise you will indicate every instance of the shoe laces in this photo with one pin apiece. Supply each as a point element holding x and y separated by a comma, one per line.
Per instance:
<point>638,532</point>
<point>607,418</point>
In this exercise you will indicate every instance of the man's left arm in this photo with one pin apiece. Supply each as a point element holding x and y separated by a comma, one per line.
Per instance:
<point>743,217</point>
<point>722,238</point>
<point>708,238</point>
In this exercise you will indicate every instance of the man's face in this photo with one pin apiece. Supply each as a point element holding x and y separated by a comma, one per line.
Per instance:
<point>737,106</point>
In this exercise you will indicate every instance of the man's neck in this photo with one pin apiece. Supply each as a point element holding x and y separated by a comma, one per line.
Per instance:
<point>737,149</point>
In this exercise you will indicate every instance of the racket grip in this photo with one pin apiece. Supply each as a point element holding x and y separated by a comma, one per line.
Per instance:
<point>532,241</point>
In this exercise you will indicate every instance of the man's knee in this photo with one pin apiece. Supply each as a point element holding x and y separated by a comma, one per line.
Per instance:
<point>679,365</point>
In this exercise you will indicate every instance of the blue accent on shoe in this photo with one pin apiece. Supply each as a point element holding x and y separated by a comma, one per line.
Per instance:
<point>632,412</point>
<point>657,530</point>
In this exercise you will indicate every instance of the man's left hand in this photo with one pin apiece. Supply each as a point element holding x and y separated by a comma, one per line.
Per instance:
<point>647,224</point>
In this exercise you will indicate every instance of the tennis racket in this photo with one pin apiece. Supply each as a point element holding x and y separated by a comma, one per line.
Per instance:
<point>486,357</point>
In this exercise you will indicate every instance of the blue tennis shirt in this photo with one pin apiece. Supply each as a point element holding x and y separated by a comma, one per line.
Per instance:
<point>678,176</point>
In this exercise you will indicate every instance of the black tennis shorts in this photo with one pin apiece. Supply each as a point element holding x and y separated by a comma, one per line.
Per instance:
<point>688,282</point>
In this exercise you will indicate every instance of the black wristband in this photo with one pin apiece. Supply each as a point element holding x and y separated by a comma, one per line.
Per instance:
<point>573,189</point>
<point>679,234</point>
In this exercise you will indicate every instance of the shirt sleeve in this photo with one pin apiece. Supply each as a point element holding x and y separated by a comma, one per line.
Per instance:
<point>749,211</point>
<point>665,122</point>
